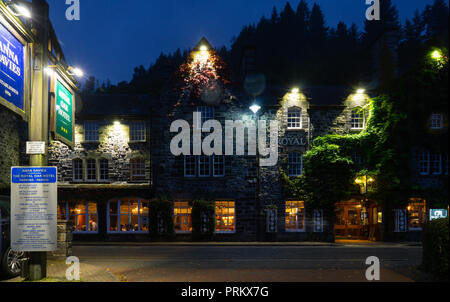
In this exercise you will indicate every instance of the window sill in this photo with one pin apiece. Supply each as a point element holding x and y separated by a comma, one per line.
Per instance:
<point>91,142</point>
<point>295,129</point>
<point>137,142</point>
<point>296,231</point>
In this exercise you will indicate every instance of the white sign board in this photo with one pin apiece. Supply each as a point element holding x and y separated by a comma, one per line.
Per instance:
<point>34,209</point>
<point>35,147</point>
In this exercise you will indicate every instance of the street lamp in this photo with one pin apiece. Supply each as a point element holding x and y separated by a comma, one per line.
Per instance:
<point>74,71</point>
<point>255,108</point>
<point>19,9</point>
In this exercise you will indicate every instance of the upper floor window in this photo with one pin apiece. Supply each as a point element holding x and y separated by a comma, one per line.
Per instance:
<point>207,113</point>
<point>137,169</point>
<point>91,132</point>
<point>103,170</point>
<point>436,163</point>
<point>190,166</point>
<point>295,216</point>
<point>218,165</point>
<point>77,169</point>
<point>424,163</point>
<point>91,170</point>
<point>295,164</point>
<point>294,118</point>
<point>204,169</point>
<point>137,131</point>
<point>437,121</point>
<point>358,118</point>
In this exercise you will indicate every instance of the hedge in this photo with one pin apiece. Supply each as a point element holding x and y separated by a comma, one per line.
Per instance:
<point>436,248</point>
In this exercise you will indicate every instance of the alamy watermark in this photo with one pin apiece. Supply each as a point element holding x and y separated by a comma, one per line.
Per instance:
<point>373,11</point>
<point>73,271</point>
<point>373,271</point>
<point>73,11</point>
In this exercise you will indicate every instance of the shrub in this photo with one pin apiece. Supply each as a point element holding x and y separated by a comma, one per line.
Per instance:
<point>203,222</point>
<point>436,248</point>
<point>161,218</point>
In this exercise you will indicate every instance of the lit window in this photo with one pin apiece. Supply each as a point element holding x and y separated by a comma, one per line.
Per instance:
<point>77,169</point>
<point>91,132</point>
<point>295,216</point>
<point>295,163</point>
<point>225,217</point>
<point>219,165</point>
<point>83,215</point>
<point>91,170</point>
<point>189,166</point>
<point>103,170</point>
<point>137,169</point>
<point>294,118</point>
<point>128,216</point>
<point>416,213</point>
<point>137,131</point>
<point>437,121</point>
<point>358,118</point>
<point>207,113</point>
<point>204,169</point>
<point>424,163</point>
<point>182,217</point>
<point>436,163</point>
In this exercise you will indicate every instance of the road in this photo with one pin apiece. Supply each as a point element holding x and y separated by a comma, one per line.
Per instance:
<point>250,263</point>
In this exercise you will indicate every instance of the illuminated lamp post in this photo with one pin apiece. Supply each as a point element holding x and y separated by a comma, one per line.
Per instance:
<point>255,109</point>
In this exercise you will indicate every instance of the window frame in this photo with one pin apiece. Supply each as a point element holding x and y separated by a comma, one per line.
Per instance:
<point>227,215</point>
<point>78,160</point>
<point>416,202</point>
<point>118,215</point>
<point>95,169</point>
<point>134,168</point>
<point>140,132</point>
<point>188,215</point>
<point>295,230</point>
<point>93,133</point>
<point>298,162</point>
<point>358,120</point>
<point>101,168</point>
<point>293,121</point>
<point>222,165</point>
<point>199,166</point>
<point>438,162</point>
<point>194,168</point>
<point>86,214</point>
<point>437,121</point>
<point>424,163</point>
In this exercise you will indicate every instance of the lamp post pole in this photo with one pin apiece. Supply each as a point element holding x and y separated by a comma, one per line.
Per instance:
<point>38,123</point>
<point>255,109</point>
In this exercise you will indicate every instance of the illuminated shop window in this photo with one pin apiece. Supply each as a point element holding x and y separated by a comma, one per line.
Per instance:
<point>437,121</point>
<point>182,216</point>
<point>137,169</point>
<point>294,118</point>
<point>137,132</point>
<point>190,165</point>
<point>436,163</point>
<point>207,113</point>
<point>91,170</point>
<point>103,170</point>
<point>77,169</point>
<point>295,216</point>
<point>358,118</point>
<point>204,166</point>
<point>295,164</point>
<point>219,165</point>
<point>91,132</point>
<point>128,215</point>
<point>83,215</point>
<point>416,213</point>
<point>225,217</point>
<point>424,163</point>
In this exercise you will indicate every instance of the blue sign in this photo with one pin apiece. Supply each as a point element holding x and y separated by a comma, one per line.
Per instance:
<point>33,175</point>
<point>11,69</point>
<point>438,213</point>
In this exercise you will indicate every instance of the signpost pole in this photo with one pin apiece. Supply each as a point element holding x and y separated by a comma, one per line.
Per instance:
<point>38,125</point>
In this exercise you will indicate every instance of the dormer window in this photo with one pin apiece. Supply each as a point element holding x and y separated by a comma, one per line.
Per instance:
<point>294,118</point>
<point>437,121</point>
<point>358,119</point>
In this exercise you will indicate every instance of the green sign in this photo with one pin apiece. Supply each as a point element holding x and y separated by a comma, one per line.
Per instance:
<point>64,113</point>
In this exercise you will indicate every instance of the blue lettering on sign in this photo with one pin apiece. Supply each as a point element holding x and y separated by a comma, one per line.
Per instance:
<point>34,175</point>
<point>11,69</point>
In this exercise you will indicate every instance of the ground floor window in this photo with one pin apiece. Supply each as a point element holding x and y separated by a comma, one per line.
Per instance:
<point>182,216</point>
<point>416,213</point>
<point>295,216</point>
<point>128,215</point>
<point>225,217</point>
<point>83,215</point>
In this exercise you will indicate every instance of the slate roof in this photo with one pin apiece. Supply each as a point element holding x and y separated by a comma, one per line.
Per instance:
<point>113,105</point>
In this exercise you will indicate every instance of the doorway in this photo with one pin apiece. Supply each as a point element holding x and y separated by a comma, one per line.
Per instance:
<point>351,221</point>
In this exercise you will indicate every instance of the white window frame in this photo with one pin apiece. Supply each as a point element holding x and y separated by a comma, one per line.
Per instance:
<point>74,169</point>
<point>118,216</point>
<point>215,215</point>
<point>133,169</point>
<point>294,118</point>
<point>199,158</point>
<point>437,121</point>
<point>206,113</point>
<point>138,131</point>
<point>95,169</point>
<point>91,131</point>
<point>188,214</point>
<point>424,163</point>
<point>438,162</point>
<point>295,230</point>
<point>358,122</point>
<point>102,169</point>
<point>297,164</point>
<point>68,216</point>
<point>222,164</point>
<point>192,157</point>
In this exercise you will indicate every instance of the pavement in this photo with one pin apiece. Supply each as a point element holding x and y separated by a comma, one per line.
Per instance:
<point>238,262</point>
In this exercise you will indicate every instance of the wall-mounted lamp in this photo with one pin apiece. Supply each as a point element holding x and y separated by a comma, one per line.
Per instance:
<point>73,71</point>
<point>255,108</point>
<point>19,9</point>
<point>360,91</point>
<point>295,90</point>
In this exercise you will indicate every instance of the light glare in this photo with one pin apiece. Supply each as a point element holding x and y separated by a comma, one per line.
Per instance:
<point>255,108</point>
<point>23,11</point>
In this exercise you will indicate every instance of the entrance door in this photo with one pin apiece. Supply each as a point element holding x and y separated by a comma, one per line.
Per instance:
<point>348,220</point>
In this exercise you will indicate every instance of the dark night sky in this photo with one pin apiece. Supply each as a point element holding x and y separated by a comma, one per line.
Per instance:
<point>114,36</point>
